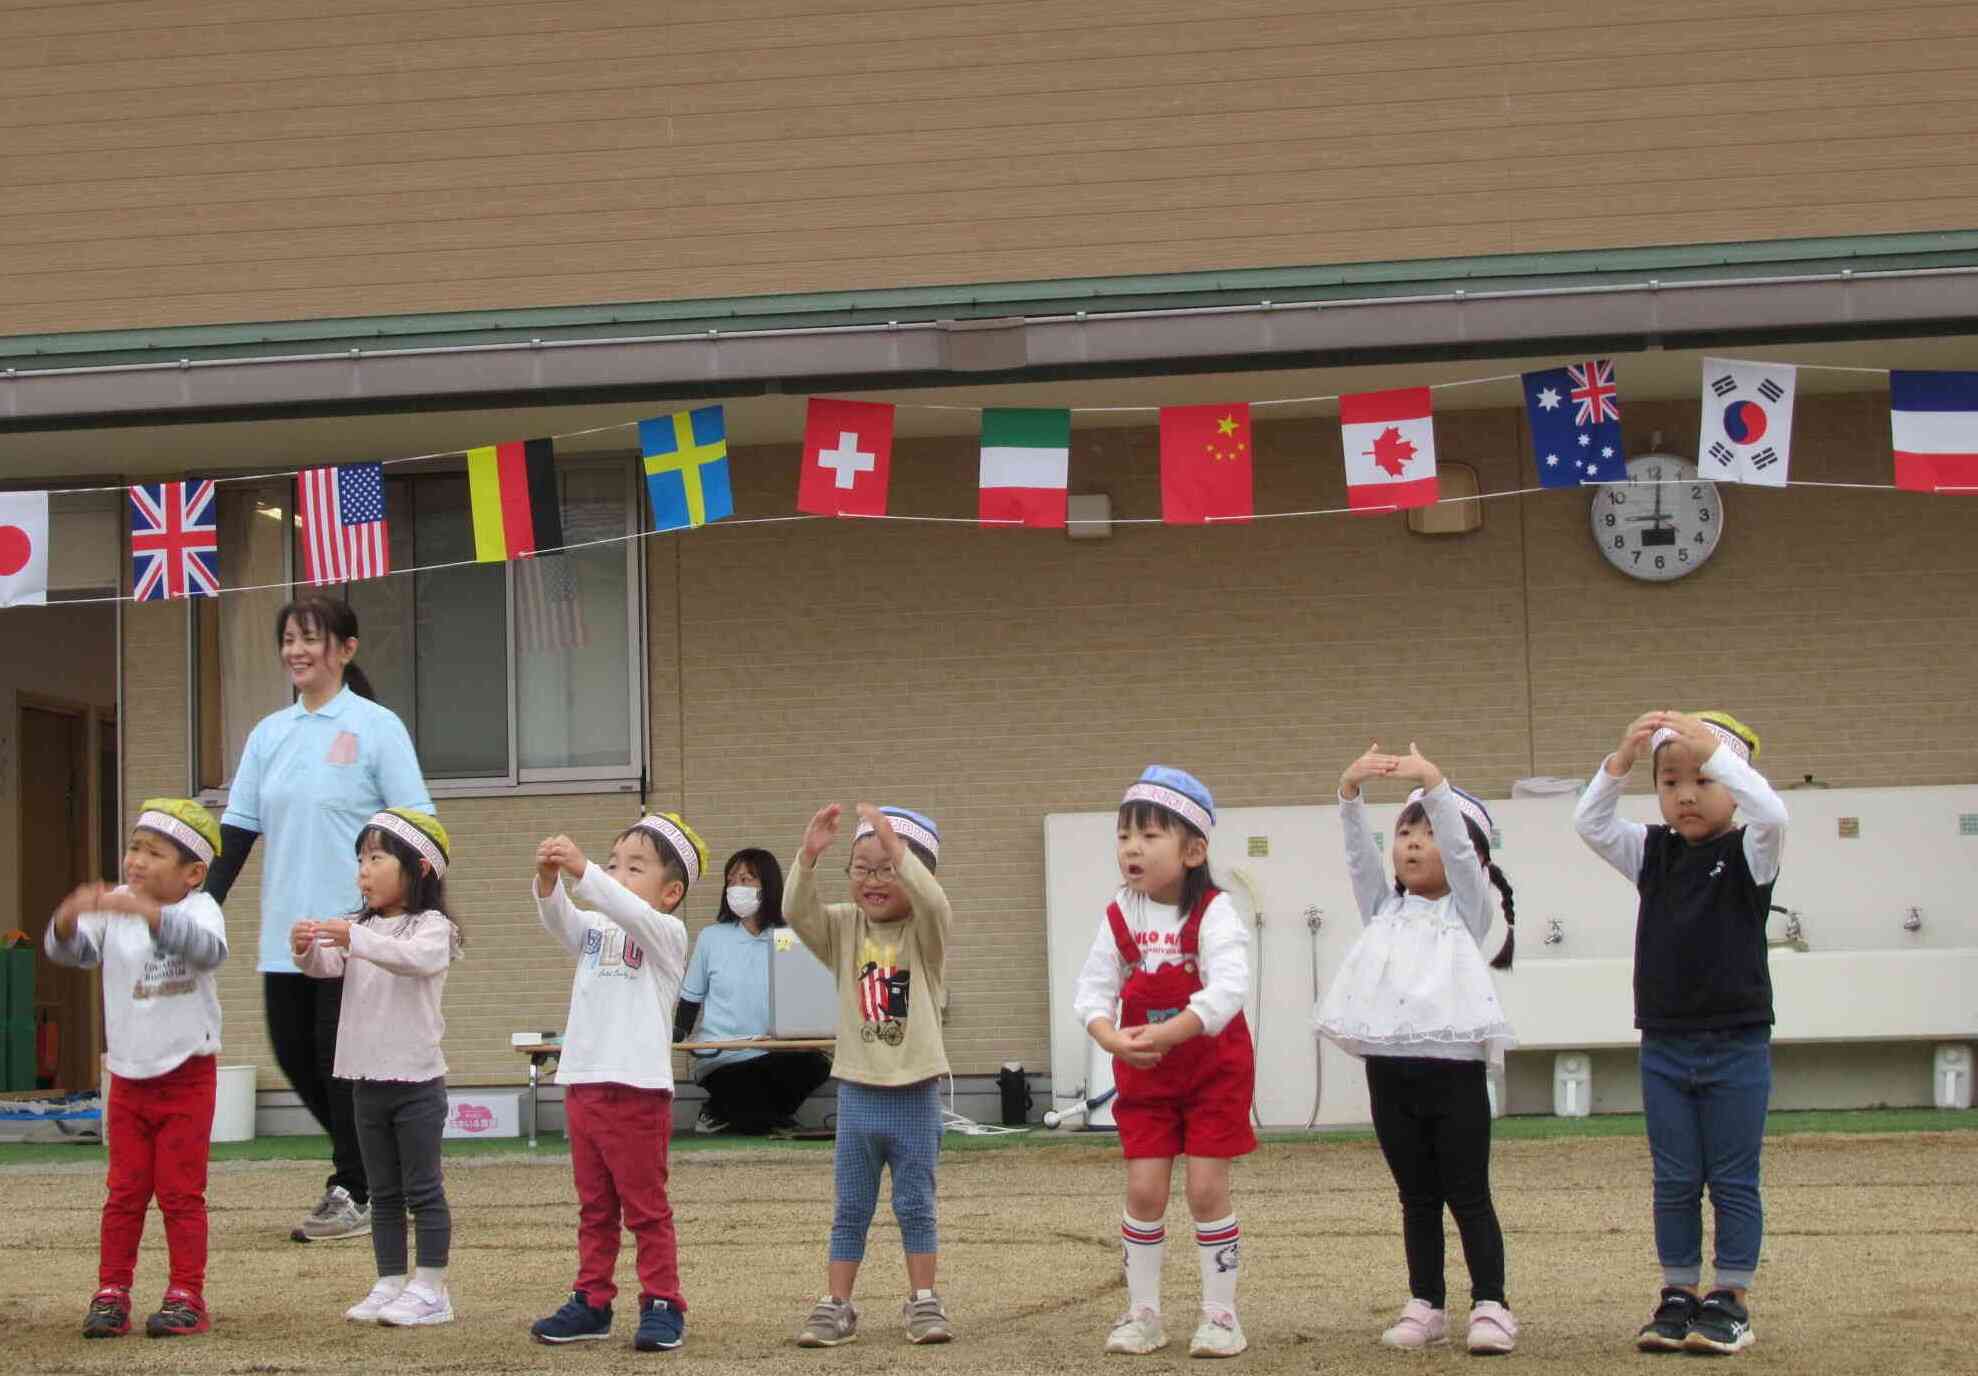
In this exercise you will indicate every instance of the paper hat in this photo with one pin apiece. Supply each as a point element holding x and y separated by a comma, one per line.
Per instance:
<point>685,842</point>
<point>1468,804</point>
<point>420,830</point>
<point>1725,727</point>
<point>911,826</point>
<point>185,821</point>
<point>1179,792</point>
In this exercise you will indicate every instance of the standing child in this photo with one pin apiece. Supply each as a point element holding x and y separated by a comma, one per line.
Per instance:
<point>1413,998</point>
<point>158,940</point>
<point>1163,990</point>
<point>1703,1002</point>
<point>617,1066</point>
<point>889,942</point>
<point>393,958</point>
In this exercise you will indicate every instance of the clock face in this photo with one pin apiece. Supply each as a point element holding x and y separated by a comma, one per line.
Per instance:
<point>1662,523</point>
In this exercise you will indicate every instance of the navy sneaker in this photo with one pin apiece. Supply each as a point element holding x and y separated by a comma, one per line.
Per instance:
<point>1723,1326</point>
<point>661,1327</point>
<point>578,1321</point>
<point>1669,1329</point>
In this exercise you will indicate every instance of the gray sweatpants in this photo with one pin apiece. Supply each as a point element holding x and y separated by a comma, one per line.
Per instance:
<point>399,1124</point>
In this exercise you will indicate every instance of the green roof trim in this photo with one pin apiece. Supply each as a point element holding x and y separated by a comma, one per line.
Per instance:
<point>1096,295</point>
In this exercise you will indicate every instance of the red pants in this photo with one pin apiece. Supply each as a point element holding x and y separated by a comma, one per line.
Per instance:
<point>618,1140</point>
<point>159,1131</point>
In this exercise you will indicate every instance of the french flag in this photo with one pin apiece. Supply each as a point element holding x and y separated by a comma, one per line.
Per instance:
<point>1933,421</point>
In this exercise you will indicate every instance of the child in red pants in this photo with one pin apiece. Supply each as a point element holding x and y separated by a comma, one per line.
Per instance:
<point>1163,990</point>
<point>158,940</point>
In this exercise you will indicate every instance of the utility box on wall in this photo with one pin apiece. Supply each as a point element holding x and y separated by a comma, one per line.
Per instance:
<point>1951,1076</point>
<point>1572,1084</point>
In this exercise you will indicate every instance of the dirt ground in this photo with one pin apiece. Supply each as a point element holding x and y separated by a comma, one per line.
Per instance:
<point>1869,1265</point>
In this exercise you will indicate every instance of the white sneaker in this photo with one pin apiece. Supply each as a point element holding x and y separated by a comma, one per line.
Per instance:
<point>1493,1332</point>
<point>383,1293</point>
<point>1218,1335</point>
<point>1419,1326</point>
<point>418,1304</point>
<point>1138,1332</point>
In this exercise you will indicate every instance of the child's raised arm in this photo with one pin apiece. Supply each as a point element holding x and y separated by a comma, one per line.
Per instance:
<point>1621,843</point>
<point>1363,862</point>
<point>662,936</point>
<point>554,909</point>
<point>803,908</point>
<point>934,918</point>
<point>1763,809</point>
<point>69,940</point>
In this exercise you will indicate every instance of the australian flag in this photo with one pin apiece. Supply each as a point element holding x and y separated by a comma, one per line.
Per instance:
<point>1576,424</point>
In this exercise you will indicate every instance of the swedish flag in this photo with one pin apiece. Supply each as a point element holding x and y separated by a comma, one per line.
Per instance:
<point>687,468</point>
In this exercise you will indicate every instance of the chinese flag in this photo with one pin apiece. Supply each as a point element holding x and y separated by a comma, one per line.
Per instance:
<point>1205,464</point>
<point>848,457</point>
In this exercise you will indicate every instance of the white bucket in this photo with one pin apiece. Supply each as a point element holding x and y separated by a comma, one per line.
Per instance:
<point>233,1104</point>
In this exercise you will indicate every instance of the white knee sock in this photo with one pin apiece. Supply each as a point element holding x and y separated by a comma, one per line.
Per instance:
<point>1144,1244</point>
<point>1219,1247</point>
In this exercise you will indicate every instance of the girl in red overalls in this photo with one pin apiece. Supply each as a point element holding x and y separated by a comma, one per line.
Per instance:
<point>1163,990</point>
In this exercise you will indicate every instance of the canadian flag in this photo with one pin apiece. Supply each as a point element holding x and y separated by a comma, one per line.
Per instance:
<point>1389,438</point>
<point>23,549</point>
<point>848,458</point>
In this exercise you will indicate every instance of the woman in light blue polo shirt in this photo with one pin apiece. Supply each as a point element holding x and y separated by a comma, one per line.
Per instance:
<point>727,988</point>
<point>309,778</point>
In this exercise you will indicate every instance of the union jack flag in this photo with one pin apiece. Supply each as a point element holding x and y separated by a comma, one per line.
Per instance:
<point>1594,391</point>
<point>174,541</point>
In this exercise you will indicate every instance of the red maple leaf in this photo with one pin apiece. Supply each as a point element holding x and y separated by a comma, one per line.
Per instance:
<point>1391,452</point>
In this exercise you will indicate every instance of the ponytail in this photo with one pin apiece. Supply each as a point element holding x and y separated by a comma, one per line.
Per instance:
<point>358,682</point>
<point>1502,961</point>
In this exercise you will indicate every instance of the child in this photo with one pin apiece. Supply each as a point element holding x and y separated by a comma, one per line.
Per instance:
<point>158,940</point>
<point>617,1066</point>
<point>1703,1002</point>
<point>393,958</point>
<point>1413,998</point>
<point>1163,990</point>
<point>888,948</point>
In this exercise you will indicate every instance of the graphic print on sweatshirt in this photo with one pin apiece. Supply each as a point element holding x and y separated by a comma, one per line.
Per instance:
<point>164,976</point>
<point>612,954</point>
<point>883,988</point>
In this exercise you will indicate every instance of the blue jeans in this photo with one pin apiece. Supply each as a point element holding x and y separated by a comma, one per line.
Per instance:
<point>1705,1097</point>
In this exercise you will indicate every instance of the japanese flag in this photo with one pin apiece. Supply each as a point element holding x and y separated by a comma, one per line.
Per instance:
<point>1747,432</point>
<point>23,549</point>
<point>1389,442</point>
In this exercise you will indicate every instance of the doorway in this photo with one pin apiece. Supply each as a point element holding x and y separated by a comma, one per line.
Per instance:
<point>58,816</point>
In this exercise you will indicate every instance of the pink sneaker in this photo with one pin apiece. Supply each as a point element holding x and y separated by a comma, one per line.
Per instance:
<point>1419,1326</point>
<point>1493,1332</point>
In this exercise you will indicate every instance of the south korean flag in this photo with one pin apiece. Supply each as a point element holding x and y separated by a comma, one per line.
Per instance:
<point>1747,422</point>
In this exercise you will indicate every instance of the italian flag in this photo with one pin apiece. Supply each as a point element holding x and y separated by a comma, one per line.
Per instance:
<point>1025,457</point>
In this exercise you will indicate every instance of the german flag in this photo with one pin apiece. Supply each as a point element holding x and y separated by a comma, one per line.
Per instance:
<point>512,488</point>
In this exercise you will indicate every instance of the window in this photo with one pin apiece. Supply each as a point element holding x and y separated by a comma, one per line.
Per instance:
<point>506,674</point>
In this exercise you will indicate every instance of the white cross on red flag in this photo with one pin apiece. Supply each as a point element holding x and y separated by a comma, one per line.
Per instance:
<point>848,458</point>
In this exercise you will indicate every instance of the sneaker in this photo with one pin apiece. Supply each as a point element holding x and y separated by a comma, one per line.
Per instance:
<point>1137,1333</point>
<point>383,1293</point>
<point>417,1305</point>
<point>661,1327</point>
<point>181,1314</point>
<point>578,1321</point>
<point>1493,1332</point>
<point>1218,1335</point>
<point>833,1321</point>
<point>784,1129</point>
<point>927,1321</point>
<point>708,1124</point>
<point>1669,1328</point>
<point>1722,1325</point>
<point>109,1313</point>
<point>335,1216</point>
<point>1420,1325</point>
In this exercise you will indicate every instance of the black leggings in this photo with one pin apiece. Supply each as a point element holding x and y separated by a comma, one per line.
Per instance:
<point>757,1094</point>
<point>302,1025</point>
<point>1433,1121</point>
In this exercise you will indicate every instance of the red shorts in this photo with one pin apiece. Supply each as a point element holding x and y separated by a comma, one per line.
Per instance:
<point>1204,1114</point>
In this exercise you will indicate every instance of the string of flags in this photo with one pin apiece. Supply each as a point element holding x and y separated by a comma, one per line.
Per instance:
<point>1206,452</point>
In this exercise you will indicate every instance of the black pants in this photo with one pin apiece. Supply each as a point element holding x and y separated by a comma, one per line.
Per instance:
<point>756,1095</point>
<point>1433,1121</point>
<point>302,1024</point>
<point>400,1124</point>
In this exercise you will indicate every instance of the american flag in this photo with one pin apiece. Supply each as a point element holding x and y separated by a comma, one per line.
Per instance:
<point>174,541</point>
<point>549,615</point>
<point>343,523</point>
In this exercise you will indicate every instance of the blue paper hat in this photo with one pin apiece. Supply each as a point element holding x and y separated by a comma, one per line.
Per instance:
<point>911,826</point>
<point>1179,792</point>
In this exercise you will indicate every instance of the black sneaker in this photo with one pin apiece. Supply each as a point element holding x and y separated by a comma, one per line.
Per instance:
<point>576,1322</point>
<point>661,1327</point>
<point>109,1314</point>
<point>1722,1325</point>
<point>1669,1330</point>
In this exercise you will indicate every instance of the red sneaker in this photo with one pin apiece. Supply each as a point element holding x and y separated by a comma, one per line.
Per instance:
<point>109,1313</point>
<point>181,1313</point>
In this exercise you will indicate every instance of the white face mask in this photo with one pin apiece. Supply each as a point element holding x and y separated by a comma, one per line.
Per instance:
<point>744,900</point>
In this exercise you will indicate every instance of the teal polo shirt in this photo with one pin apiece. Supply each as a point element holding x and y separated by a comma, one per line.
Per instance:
<point>729,978</point>
<point>308,782</point>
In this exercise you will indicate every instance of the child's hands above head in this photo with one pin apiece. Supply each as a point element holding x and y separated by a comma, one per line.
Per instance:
<point>822,831</point>
<point>1634,742</point>
<point>1371,765</point>
<point>1691,731</point>
<point>882,828</point>
<point>1414,766</point>
<point>562,853</point>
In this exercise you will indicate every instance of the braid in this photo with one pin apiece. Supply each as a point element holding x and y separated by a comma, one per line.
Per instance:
<point>1503,886</point>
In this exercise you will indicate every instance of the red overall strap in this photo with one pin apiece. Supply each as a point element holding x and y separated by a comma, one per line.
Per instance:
<point>1122,938</point>
<point>1191,929</point>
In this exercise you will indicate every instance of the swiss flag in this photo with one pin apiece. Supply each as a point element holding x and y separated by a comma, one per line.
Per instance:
<point>23,549</point>
<point>848,457</point>
<point>1205,464</point>
<point>1389,439</point>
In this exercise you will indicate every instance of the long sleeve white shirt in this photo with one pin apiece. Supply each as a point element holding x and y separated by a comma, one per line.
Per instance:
<point>631,959</point>
<point>1622,843</point>
<point>161,1002</point>
<point>1469,885</point>
<point>1223,955</point>
<point>394,978</point>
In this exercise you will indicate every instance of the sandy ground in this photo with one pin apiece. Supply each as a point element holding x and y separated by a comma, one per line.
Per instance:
<point>1869,1266</point>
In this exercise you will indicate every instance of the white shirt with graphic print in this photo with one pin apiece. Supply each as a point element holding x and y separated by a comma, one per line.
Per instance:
<point>161,1000</point>
<point>630,960</point>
